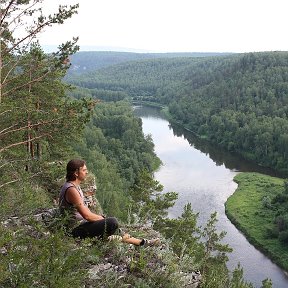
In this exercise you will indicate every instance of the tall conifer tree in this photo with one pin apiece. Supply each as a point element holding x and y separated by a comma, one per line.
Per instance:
<point>36,116</point>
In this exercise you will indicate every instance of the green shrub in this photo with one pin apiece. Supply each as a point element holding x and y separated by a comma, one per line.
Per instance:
<point>272,232</point>
<point>283,237</point>
<point>35,258</point>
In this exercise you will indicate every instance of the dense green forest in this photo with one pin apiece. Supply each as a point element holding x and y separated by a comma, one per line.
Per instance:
<point>41,128</point>
<point>238,101</point>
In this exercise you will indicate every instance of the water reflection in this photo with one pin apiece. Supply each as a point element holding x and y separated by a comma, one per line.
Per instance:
<point>219,155</point>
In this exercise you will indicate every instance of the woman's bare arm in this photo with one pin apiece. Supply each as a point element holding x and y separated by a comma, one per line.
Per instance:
<point>73,197</point>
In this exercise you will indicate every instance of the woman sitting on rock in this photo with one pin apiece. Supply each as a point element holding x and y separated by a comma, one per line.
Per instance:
<point>80,219</point>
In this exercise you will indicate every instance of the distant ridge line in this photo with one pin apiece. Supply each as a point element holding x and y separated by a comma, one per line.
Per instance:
<point>86,61</point>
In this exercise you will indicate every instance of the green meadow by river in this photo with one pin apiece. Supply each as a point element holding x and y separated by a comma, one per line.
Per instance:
<point>249,210</point>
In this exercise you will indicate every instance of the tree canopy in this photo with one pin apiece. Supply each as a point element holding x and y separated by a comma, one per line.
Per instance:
<point>35,112</point>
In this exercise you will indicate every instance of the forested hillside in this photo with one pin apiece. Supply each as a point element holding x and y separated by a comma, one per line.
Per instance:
<point>239,102</point>
<point>86,61</point>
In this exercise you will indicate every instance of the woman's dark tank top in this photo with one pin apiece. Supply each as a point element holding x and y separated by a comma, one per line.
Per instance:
<point>74,217</point>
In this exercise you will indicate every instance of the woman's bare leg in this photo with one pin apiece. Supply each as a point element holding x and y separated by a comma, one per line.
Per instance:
<point>126,238</point>
<point>131,240</point>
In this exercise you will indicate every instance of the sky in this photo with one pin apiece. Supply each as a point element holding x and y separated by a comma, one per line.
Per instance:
<point>174,25</point>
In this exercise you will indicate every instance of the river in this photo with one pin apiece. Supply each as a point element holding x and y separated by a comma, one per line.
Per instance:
<point>202,174</point>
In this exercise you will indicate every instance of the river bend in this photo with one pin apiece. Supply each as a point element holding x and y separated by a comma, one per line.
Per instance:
<point>202,174</point>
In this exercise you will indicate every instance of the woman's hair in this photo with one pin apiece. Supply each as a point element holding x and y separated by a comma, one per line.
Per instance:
<point>73,166</point>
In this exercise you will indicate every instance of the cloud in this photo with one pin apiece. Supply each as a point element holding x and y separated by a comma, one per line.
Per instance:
<point>182,25</point>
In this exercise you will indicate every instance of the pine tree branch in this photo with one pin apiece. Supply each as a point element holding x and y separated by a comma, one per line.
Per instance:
<point>4,131</point>
<point>16,180</point>
<point>10,182</point>
<point>52,20</point>
<point>35,68</point>
<point>24,142</point>
<point>2,113</point>
<point>30,35</point>
<point>4,82</point>
<point>6,12</point>
<point>23,12</point>
<point>9,162</point>
<point>26,84</point>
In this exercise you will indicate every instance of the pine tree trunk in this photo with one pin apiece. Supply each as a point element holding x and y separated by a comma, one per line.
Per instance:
<point>0,60</point>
